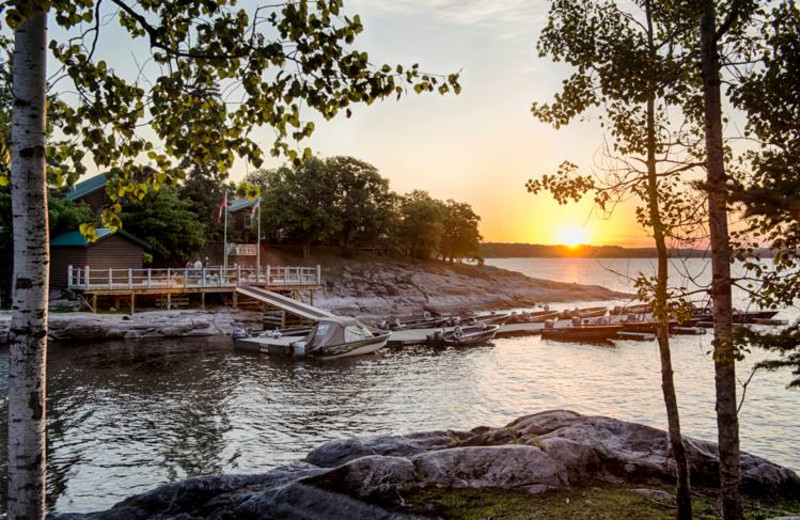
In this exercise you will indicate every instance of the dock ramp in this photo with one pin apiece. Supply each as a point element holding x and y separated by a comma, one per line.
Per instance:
<point>290,305</point>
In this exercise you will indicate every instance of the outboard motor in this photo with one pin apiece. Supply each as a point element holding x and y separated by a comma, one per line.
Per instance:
<point>548,324</point>
<point>576,321</point>
<point>238,331</point>
<point>299,349</point>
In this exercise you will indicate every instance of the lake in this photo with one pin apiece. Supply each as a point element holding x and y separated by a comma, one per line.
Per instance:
<point>125,417</point>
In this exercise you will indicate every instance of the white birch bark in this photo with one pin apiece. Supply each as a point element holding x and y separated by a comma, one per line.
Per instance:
<point>28,338</point>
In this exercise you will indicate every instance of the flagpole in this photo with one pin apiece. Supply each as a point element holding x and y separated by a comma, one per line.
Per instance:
<point>225,237</point>
<point>258,243</point>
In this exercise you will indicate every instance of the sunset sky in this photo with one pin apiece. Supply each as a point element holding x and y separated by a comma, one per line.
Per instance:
<point>480,147</point>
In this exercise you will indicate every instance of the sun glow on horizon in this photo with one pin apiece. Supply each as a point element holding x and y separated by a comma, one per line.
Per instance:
<point>573,236</point>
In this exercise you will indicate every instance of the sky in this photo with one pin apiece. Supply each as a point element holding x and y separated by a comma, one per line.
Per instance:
<point>483,145</point>
<point>479,147</point>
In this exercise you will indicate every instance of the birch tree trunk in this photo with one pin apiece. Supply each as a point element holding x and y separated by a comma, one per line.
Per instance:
<point>28,337</point>
<point>722,306</point>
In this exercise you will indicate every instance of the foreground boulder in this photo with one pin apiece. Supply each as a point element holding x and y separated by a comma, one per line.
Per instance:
<point>367,477</point>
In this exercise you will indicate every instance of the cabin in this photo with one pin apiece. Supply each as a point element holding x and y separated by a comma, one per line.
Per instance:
<point>117,250</point>
<point>92,192</point>
<point>240,216</point>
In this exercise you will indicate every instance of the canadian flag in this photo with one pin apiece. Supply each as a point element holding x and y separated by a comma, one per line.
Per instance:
<point>222,206</point>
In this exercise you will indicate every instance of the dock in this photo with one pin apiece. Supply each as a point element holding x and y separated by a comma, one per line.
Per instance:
<point>171,286</point>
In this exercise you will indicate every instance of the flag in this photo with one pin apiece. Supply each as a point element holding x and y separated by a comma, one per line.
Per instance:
<point>222,206</point>
<point>255,208</point>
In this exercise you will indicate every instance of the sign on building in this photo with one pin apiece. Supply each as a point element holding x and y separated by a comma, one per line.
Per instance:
<point>243,249</point>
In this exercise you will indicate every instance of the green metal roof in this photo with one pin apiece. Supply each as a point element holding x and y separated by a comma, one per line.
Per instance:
<point>76,238</point>
<point>235,205</point>
<point>86,187</point>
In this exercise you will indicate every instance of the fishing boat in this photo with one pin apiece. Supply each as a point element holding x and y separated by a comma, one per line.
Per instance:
<point>463,336</point>
<point>583,333</point>
<point>621,310</point>
<point>739,317</point>
<point>492,318</point>
<point>588,312</point>
<point>338,337</point>
<point>533,317</point>
<point>426,321</point>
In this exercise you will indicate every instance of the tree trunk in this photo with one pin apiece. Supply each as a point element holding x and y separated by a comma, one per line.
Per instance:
<point>28,337</point>
<point>722,308</point>
<point>684,500</point>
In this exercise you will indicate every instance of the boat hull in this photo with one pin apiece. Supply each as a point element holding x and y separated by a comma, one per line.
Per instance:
<point>587,334</point>
<point>356,348</point>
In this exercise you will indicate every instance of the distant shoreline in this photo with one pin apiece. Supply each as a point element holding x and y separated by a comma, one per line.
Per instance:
<point>520,250</point>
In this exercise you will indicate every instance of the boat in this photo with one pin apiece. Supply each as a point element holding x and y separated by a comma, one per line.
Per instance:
<point>463,336</point>
<point>492,318</point>
<point>426,321</point>
<point>533,317</point>
<point>589,312</point>
<point>623,310</point>
<point>583,333</point>
<point>739,317</point>
<point>338,337</point>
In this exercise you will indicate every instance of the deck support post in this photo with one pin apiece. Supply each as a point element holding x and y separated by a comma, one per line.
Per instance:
<point>203,300</point>
<point>94,302</point>
<point>169,301</point>
<point>235,300</point>
<point>133,303</point>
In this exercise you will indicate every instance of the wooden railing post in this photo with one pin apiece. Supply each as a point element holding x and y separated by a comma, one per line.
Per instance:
<point>169,278</point>
<point>203,282</point>
<point>110,279</point>
<point>87,281</point>
<point>319,274</point>
<point>269,281</point>
<point>185,277</point>
<point>130,278</point>
<point>69,277</point>
<point>149,278</point>
<point>220,276</point>
<point>238,275</point>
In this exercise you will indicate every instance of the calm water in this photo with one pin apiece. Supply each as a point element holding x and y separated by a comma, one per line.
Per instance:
<point>125,417</point>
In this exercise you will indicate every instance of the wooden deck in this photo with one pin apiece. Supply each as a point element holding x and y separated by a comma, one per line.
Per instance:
<point>130,283</point>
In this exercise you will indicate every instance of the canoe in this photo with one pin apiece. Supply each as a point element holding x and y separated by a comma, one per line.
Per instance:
<point>583,334</point>
<point>463,336</point>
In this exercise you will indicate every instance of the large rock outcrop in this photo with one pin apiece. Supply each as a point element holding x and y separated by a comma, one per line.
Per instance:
<point>367,477</point>
<point>145,325</point>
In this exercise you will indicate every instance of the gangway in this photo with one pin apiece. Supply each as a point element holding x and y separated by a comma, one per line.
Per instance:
<point>293,306</point>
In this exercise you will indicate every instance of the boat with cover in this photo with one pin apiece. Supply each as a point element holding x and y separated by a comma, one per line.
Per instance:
<point>463,336</point>
<point>337,337</point>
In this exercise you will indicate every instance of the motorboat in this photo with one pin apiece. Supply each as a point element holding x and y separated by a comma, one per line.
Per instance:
<point>338,337</point>
<point>426,321</point>
<point>492,318</point>
<point>582,333</point>
<point>463,336</point>
<point>588,312</point>
<point>533,316</point>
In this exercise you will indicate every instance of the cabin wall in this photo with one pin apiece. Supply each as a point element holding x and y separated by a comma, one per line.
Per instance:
<point>60,260</point>
<point>115,252</point>
<point>95,200</point>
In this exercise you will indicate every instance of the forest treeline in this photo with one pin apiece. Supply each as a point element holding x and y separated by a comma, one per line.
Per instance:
<point>522,250</point>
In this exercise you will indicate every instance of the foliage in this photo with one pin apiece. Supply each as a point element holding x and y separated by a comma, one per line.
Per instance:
<point>63,215</point>
<point>770,96</point>
<point>167,222</point>
<point>421,224</point>
<point>461,238</point>
<point>281,62</point>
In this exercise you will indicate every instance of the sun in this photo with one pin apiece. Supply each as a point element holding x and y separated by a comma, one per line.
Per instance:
<point>572,236</point>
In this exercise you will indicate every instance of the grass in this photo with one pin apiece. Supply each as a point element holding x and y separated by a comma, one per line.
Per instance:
<point>598,503</point>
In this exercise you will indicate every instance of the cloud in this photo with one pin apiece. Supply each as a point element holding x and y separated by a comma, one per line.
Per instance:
<point>494,12</point>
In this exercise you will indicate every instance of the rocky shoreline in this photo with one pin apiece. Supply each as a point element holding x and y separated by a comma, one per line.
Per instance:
<point>371,287</point>
<point>368,477</point>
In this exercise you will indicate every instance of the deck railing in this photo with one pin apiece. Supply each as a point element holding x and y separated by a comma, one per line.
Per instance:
<point>86,278</point>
